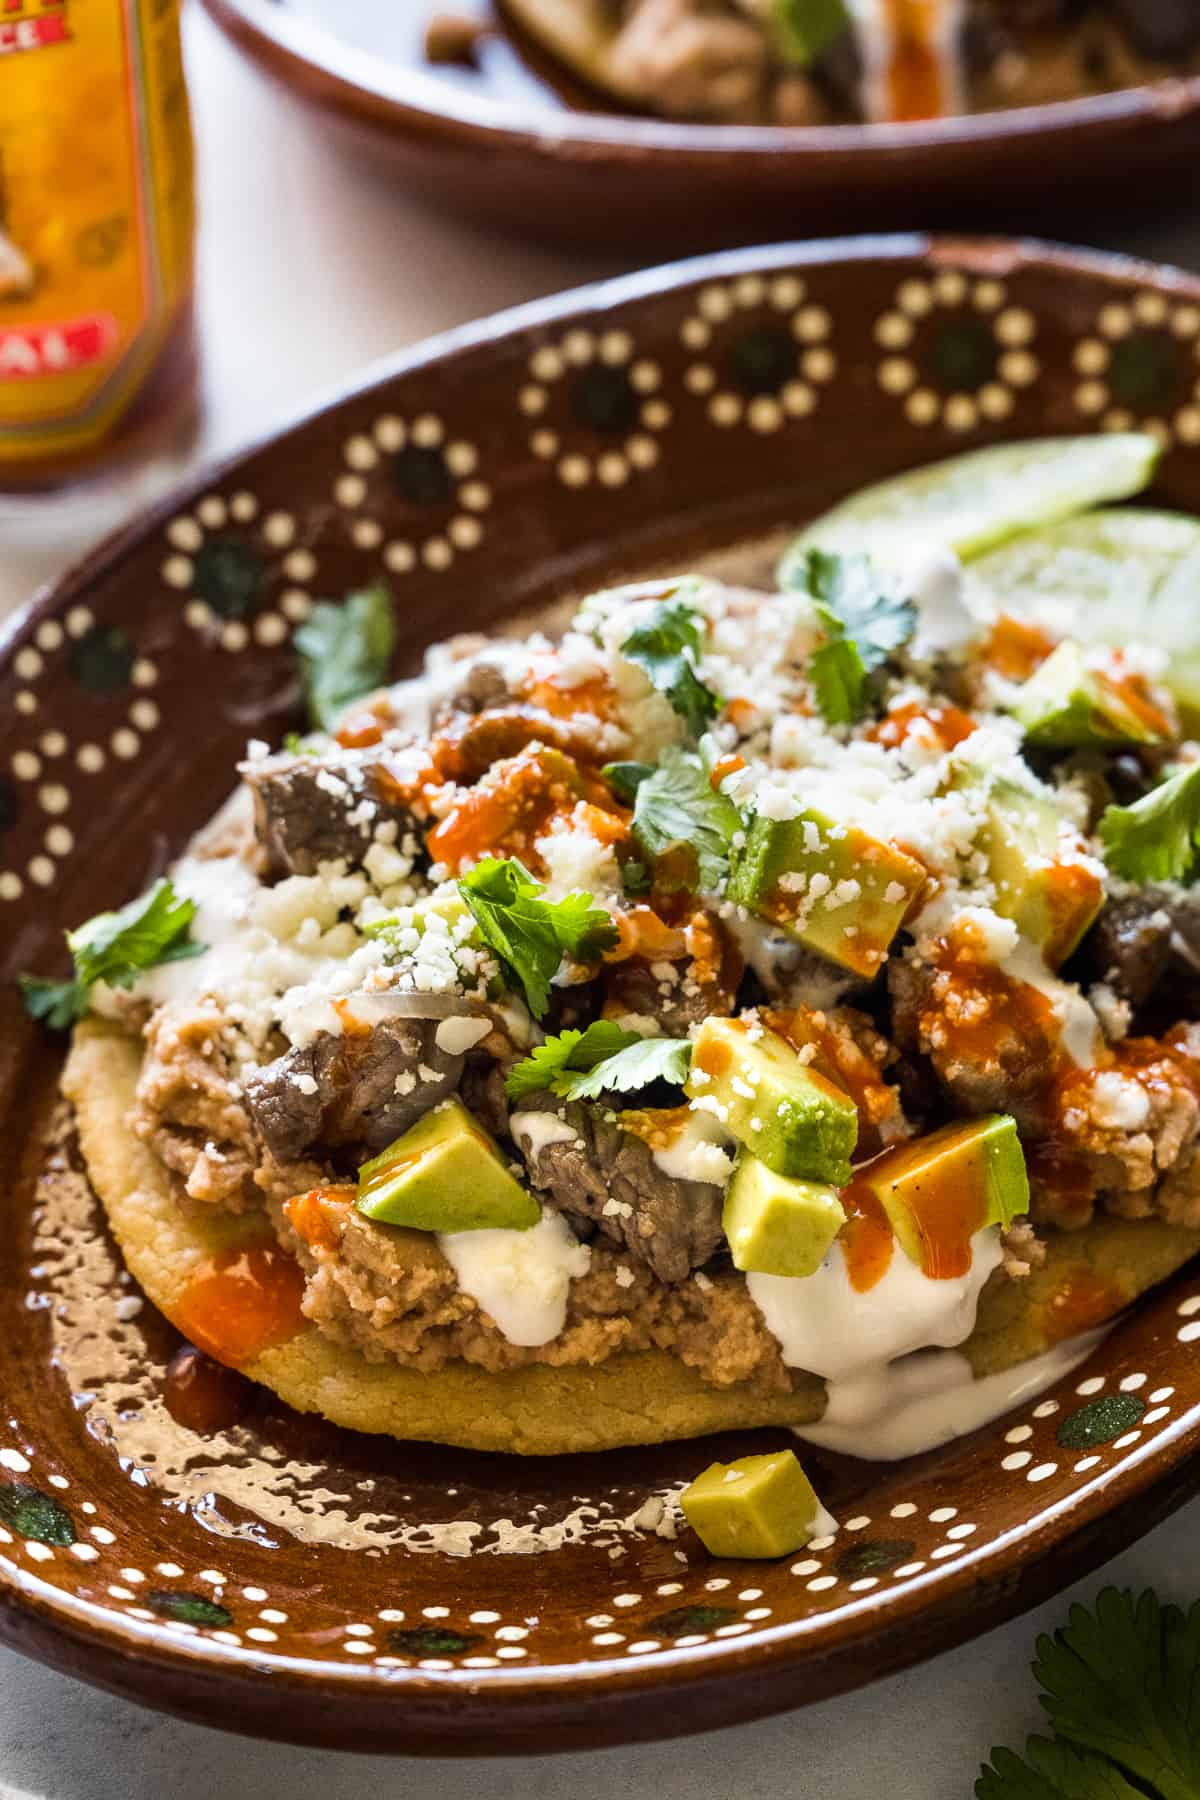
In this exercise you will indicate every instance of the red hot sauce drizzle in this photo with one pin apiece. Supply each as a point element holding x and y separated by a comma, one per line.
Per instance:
<point>241,1302</point>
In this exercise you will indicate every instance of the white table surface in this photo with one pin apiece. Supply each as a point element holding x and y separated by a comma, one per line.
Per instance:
<point>309,270</point>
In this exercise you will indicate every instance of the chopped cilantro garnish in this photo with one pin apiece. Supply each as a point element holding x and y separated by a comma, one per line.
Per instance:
<point>1121,1686</point>
<point>625,778</point>
<point>346,651</point>
<point>1158,837</point>
<point>57,1003</point>
<point>839,680</point>
<point>864,622</point>
<point>802,30</point>
<point>115,947</point>
<point>667,647</point>
<point>530,935</point>
<point>677,807</point>
<point>578,1065</point>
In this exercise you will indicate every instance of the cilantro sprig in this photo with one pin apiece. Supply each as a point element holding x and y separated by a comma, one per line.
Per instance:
<point>579,1065</point>
<point>115,947</point>
<point>345,651</point>
<point>1121,1687</point>
<point>667,648</point>
<point>802,30</point>
<point>528,934</point>
<point>1158,837</point>
<point>675,805</point>
<point>864,621</point>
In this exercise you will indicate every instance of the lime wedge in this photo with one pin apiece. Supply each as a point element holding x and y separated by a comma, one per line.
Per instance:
<point>974,502</point>
<point>1108,577</point>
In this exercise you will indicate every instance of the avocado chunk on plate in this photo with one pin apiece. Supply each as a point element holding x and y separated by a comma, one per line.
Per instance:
<point>792,1119</point>
<point>445,1174</point>
<point>1070,705</point>
<point>835,888</point>
<point>759,1506</point>
<point>938,1191</point>
<point>1051,898</point>
<point>776,1226</point>
<point>974,502</point>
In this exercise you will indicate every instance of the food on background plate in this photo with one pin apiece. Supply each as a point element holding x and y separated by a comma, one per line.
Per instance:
<point>815,62</point>
<point>746,1008</point>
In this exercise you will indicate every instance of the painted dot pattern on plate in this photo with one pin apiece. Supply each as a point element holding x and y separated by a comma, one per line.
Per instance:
<point>778,365</point>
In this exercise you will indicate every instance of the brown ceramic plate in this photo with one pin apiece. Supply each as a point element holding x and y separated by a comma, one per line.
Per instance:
<point>289,1579</point>
<point>519,144</point>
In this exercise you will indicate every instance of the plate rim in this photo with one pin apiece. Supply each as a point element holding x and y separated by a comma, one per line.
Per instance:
<point>344,79</point>
<point>573,1705</point>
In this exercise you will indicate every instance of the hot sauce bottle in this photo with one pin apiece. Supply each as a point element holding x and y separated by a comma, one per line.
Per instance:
<point>97,349</point>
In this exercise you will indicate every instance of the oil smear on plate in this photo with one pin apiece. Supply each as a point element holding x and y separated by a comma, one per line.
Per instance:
<point>233,1480</point>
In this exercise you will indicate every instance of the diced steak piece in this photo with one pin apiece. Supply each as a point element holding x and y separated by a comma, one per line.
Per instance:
<point>681,57</point>
<point>309,810</point>
<point>679,993</point>
<point>191,1110</point>
<point>472,743</point>
<point>668,993</point>
<point>1160,28</point>
<point>484,684</point>
<point>360,1089</point>
<point>609,1176</point>
<point>483,1092</point>
<point>988,1052</point>
<point>1130,946</point>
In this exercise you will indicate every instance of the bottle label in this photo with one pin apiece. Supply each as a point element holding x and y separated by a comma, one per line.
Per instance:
<point>96,219</point>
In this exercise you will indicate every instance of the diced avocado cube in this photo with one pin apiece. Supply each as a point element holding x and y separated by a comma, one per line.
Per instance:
<point>776,1226</point>
<point>1051,898</point>
<point>445,1174</point>
<point>790,1117</point>
<point>939,1190</point>
<point>758,1506</point>
<point>838,890</point>
<point>1066,705</point>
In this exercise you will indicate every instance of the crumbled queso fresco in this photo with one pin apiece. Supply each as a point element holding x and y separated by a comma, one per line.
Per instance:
<point>721,889</point>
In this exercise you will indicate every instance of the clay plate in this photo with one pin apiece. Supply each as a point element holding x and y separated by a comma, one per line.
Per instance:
<point>520,144</point>
<point>291,1580</point>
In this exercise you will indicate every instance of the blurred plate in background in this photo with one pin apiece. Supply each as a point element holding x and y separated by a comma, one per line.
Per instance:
<point>515,142</point>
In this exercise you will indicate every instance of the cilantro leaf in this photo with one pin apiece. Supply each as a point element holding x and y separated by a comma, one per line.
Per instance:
<point>625,778</point>
<point>579,1065</point>
<point>1054,1771</point>
<point>345,651</point>
<point>666,647</point>
<point>57,1003</point>
<point>839,679</point>
<point>864,622</point>
<point>640,1063</point>
<point>879,620</point>
<point>549,1064</point>
<point>1158,837</point>
<point>678,806</point>
<point>803,29</point>
<point>115,947</point>
<point>1124,1680</point>
<point>530,935</point>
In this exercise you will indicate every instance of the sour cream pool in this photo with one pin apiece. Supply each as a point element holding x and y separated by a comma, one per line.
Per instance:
<point>854,1338</point>
<point>521,1278</point>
